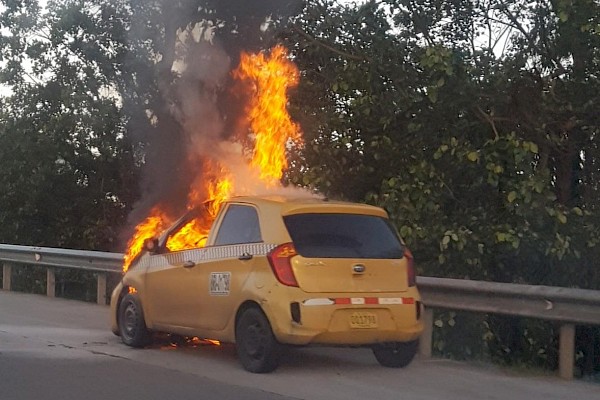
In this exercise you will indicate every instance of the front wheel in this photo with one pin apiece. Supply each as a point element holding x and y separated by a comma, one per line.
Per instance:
<point>395,354</point>
<point>132,326</point>
<point>256,346</point>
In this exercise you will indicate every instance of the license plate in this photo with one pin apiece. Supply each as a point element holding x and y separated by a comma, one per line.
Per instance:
<point>363,320</point>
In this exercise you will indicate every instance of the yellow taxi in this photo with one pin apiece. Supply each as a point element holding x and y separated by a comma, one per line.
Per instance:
<point>274,272</point>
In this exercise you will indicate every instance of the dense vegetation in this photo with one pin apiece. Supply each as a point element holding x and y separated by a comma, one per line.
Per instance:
<point>474,123</point>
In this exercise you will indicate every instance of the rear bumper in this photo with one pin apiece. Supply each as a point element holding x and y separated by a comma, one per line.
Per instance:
<point>394,317</point>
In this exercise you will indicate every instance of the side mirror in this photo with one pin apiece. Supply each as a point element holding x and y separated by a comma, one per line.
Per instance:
<point>151,245</point>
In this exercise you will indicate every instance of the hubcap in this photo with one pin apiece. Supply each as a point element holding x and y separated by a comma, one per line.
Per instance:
<point>129,319</point>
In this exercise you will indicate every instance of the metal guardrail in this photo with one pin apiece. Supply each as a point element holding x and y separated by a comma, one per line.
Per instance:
<point>568,306</point>
<point>99,262</point>
<point>96,261</point>
<point>543,302</point>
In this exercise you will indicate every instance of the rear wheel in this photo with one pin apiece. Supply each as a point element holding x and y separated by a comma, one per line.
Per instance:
<point>395,354</point>
<point>132,325</point>
<point>256,346</point>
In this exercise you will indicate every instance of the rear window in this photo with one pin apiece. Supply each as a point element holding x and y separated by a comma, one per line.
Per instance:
<point>343,236</point>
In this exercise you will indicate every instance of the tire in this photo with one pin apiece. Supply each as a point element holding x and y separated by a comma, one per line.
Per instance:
<point>256,346</point>
<point>395,354</point>
<point>132,326</point>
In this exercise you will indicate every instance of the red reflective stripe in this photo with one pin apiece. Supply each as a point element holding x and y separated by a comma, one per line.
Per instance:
<point>408,300</point>
<point>344,300</point>
<point>371,300</point>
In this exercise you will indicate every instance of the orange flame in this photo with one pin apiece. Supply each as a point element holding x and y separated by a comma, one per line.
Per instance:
<point>192,342</point>
<point>268,116</point>
<point>197,341</point>
<point>195,233</point>
<point>148,229</point>
<point>273,131</point>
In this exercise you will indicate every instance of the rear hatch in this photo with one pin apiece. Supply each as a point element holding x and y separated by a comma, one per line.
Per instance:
<point>345,252</point>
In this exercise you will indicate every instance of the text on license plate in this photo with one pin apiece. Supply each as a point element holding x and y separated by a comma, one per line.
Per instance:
<point>363,320</point>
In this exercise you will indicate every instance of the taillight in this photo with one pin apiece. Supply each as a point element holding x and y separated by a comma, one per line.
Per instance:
<point>280,259</point>
<point>410,267</point>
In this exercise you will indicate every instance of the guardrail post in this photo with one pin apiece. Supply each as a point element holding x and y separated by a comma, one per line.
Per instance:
<point>6,276</point>
<point>101,288</point>
<point>425,342</point>
<point>50,282</point>
<point>566,351</point>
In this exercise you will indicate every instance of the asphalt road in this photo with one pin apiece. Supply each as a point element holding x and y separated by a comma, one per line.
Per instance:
<point>62,349</point>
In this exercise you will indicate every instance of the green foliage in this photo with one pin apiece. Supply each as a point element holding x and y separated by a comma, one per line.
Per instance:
<point>484,160</point>
<point>505,340</point>
<point>64,158</point>
<point>29,279</point>
<point>78,285</point>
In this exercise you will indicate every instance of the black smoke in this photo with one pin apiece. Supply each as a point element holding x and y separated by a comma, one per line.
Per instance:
<point>181,57</point>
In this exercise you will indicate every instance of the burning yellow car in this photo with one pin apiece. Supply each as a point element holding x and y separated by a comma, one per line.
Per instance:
<point>278,271</point>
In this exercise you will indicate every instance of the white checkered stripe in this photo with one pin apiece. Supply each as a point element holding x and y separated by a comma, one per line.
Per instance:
<point>204,254</point>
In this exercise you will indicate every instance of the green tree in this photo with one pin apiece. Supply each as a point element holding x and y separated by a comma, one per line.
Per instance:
<point>466,148</point>
<point>67,168</point>
<point>100,88</point>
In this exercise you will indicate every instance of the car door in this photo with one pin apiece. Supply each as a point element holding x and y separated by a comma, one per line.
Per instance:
<point>237,242</point>
<point>174,284</point>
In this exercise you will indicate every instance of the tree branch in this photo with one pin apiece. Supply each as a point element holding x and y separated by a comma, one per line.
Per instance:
<point>487,118</point>
<point>330,48</point>
<point>530,39</point>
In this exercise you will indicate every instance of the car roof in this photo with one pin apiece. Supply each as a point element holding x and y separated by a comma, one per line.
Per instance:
<point>288,205</point>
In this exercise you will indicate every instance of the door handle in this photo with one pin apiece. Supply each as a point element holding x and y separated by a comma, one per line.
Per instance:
<point>189,264</point>
<point>245,256</point>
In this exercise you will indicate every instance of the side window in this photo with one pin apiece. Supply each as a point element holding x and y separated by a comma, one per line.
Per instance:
<point>240,225</point>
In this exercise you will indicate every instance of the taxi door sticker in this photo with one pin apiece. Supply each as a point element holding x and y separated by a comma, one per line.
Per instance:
<point>219,283</point>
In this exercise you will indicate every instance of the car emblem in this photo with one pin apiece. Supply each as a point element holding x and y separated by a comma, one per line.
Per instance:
<point>359,268</point>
